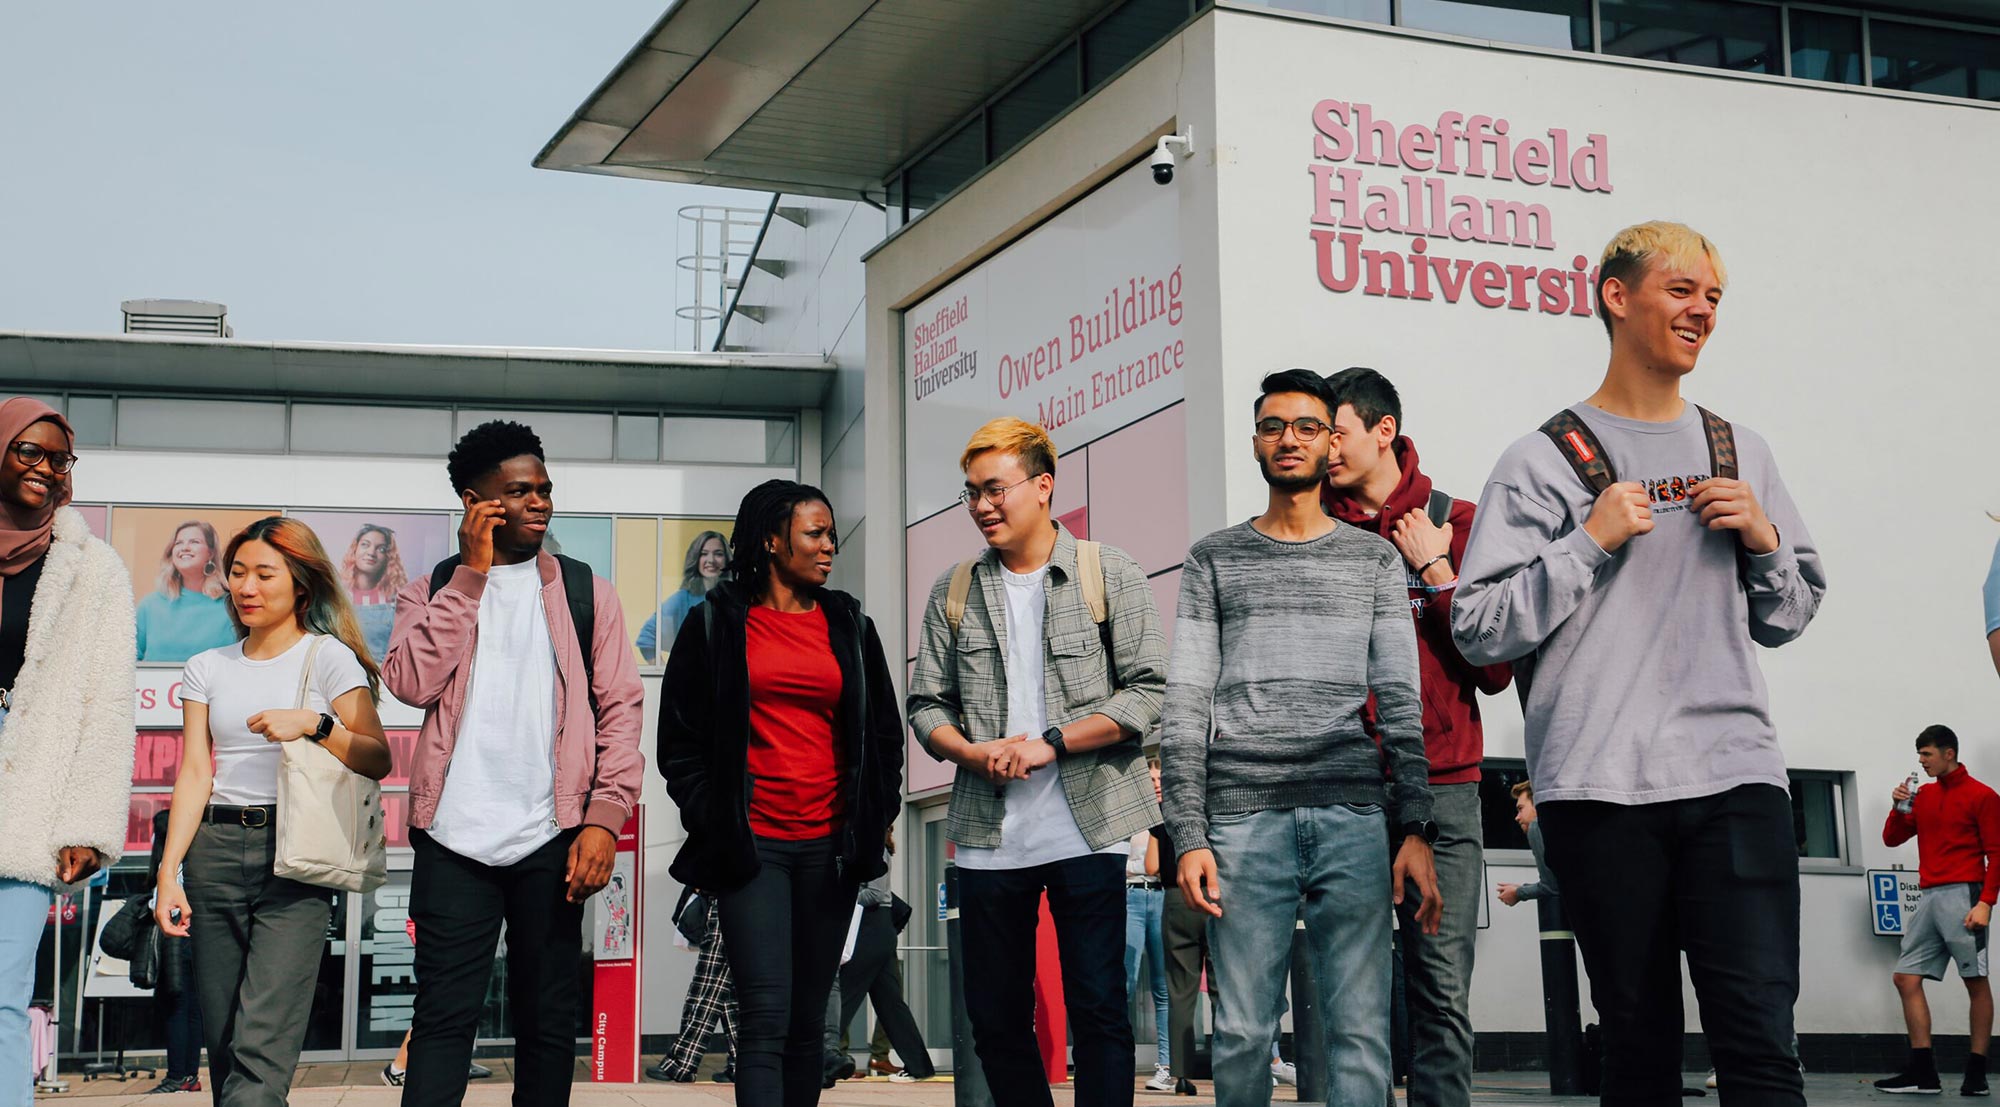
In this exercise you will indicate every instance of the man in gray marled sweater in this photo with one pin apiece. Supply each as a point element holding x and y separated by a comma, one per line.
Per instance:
<point>1286,624</point>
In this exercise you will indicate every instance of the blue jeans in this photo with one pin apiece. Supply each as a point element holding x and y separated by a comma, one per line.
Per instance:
<point>24,913</point>
<point>1265,862</point>
<point>1145,909</point>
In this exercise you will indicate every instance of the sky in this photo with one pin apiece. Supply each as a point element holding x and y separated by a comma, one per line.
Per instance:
<point>354,172</point>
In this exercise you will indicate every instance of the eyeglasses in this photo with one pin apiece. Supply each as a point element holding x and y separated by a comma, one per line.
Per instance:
<point>32,455</point>
<point>996,494</point>
<point>1306,427</point>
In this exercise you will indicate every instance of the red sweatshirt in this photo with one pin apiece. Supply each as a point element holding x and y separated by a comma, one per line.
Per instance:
<point>1454,742</point>
<point>1956,823</point>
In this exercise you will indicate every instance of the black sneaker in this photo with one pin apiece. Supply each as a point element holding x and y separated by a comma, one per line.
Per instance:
<point>391,1077</point>
<point>1910,1083</point>
<point>1975,1084</point>
<point>726,1076</point>
<point>477,1071</point>
<point>665,1071</point>
<point>178,1084</point>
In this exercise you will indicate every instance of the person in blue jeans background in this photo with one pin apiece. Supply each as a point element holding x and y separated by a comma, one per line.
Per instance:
<point>1145,911</point>
<point>1992,598</point>
<point>1287,623</point>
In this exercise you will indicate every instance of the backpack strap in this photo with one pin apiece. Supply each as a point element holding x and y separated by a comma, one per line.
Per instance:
<point>1440,508</point>
<point>578,589</point>
<point>1580,447</point>
<point>1721,444</point>
<point>1090,574</point>
<point>955,596</point>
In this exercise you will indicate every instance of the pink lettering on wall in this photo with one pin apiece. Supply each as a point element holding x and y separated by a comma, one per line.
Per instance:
<point>1372,176</point>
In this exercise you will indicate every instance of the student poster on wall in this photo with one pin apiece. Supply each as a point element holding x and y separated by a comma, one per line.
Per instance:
<point>376,553</point>
<point>178,578</point>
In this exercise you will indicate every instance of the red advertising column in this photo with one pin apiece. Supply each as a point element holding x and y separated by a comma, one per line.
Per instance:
<point>1051,1017</point>
<point>615,947</point>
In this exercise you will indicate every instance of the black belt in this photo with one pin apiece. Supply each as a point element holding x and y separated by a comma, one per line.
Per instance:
<point>255,817</point>
<point>1149,885</point>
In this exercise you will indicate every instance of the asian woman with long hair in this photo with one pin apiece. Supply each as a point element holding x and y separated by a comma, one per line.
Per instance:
<point>258,936</point>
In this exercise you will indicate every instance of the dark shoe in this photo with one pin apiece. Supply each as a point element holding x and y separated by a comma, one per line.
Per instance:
<point>728,1076</point>
<point>391,1077</point>
<point>181,1084</point>
<point>665,1071</point>
<point>1975,1084</point>
<point>1185,1087</point>
<point>477,1071</point>
<point>1910,1083</point>
<point>882,1068</point>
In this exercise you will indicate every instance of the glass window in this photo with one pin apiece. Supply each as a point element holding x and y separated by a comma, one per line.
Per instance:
<point>951,164</point>
<point>1934,59</point>
<point>1826,47</point>
<point>1361,11</point>
<point>638,438</point>
<point>1712,33</point>
<point>1561,24</point>
<point>1033,102</point>
<point>201,425</point>
<point>91,418</point>
<point>1136,27</point>
<point>1818,813</point>
<point>731,441</point>
<point>359,429</point>
<point>570,435</point>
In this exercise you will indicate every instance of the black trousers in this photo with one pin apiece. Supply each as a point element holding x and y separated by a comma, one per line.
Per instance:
<point>782,933</point>
<point>998,919</point>
<point>458,905</point>
<point>1186,933</point>
<point>1716,877</point>
<point>871,974</point>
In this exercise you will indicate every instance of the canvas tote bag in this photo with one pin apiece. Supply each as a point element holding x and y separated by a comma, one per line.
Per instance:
<point>331,832</point>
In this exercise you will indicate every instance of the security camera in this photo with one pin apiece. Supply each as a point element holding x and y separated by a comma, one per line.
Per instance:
<point>1163,154</point>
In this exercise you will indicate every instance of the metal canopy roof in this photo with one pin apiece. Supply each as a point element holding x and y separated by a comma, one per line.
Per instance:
<point>821,97</point>
<point>457,374</point>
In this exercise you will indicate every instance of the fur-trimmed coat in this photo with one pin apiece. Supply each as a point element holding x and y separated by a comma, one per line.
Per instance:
<point>66,748</point>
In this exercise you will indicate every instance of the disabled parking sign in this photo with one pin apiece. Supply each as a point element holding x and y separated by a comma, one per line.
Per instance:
<point>1892,896</point>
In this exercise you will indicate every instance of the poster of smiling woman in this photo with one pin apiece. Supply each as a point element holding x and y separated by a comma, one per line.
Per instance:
<point>178,578</point>
<point>376,553</point>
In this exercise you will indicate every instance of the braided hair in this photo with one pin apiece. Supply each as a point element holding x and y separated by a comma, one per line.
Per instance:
<point>767,511</point>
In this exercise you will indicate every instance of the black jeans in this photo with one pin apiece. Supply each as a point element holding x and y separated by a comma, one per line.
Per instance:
<point>458,905</point>
<point>1716,877</point>
<point>871,975</point>
<point>782,933</point>
<point>998,919</point>
<point>183,1014</point>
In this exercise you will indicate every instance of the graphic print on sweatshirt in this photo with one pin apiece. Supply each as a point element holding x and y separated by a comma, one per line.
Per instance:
<point>1671,494</point>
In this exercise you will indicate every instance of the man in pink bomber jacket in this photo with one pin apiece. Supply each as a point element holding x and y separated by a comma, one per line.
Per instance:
<point>527,766</point>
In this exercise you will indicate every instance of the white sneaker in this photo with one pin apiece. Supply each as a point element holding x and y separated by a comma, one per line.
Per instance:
<point>1710,1082</point>
<point>1284,1072</point>
<point>901,1076</point>
<point>1162,1081</point>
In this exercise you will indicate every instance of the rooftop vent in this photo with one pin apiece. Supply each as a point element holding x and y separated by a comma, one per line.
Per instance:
<point>188,317</point>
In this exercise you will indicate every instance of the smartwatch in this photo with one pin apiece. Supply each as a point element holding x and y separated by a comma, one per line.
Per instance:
<point>1427,830</point>
<point>1054,737</point>
<point>324,730</point>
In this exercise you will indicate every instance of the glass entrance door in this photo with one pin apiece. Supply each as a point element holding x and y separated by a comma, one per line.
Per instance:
<point>927,971</point>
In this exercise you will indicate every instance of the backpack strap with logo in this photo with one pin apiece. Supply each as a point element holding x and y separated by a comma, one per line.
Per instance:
<point>1089,574</point>
<point>1585,454</point>
<point>581,593</point>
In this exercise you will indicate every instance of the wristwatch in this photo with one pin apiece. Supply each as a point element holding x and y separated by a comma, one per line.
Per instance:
<point>324,730</point>
<point>1054,737</point>
<point>1427,830</point>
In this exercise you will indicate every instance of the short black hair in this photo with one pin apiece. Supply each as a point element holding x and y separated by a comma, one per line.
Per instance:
<point>1293,380</point>
<point>767,510</point>
<point>1939,737</point>
<point>485,447</point>
<point>1369,393</point>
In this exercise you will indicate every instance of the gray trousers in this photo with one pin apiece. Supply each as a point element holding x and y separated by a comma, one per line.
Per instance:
<point>1438,968</point>
<point>258,940</point>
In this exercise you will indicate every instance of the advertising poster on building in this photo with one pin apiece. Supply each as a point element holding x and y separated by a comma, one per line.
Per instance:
<point>178,579</point>
<point>694,554</point>
<point>615,948</point>
<point>375,554</point>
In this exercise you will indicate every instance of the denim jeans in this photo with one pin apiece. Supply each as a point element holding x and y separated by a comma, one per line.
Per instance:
<point>24,914</point>
<point>1265,861</point>
<point>1145,910</point>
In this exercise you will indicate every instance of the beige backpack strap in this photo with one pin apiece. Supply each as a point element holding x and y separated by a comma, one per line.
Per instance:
<point>955,596</point>
<point>1090,574</point>
<point>306,674</point>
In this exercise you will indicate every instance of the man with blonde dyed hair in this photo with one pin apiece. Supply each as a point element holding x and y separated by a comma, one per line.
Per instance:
<point>1628,558</point>
<point>1040,668</point>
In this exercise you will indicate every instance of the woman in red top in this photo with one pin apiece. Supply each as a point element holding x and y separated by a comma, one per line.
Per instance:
<point>781,743</point>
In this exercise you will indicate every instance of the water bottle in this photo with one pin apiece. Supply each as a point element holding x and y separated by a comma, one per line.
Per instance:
<point>1905,805</point>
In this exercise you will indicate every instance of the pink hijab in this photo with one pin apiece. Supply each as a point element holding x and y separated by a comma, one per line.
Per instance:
<point>25,533</point>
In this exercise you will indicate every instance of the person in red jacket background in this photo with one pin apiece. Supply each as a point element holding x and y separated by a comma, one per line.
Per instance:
<point>1957,828</point>
<point>1373,482</point>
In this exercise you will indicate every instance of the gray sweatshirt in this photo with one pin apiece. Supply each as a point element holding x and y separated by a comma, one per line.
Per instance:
<point>1276,648</point>
<point>1644,684</point>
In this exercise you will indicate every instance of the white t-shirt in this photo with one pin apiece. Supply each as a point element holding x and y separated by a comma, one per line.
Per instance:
<point>1038,827</point>
<point>499,799</point>
<point>236,687</point>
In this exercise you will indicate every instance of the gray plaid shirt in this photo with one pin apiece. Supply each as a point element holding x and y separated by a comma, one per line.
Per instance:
<point>1119,671</point>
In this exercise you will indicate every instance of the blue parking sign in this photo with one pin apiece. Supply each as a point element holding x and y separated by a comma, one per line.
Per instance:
<point>1885,888</point>
<point>1892,895</point>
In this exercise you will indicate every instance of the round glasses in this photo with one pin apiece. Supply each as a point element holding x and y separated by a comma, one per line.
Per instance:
<point>1305,427</point>
<point>996,494</point>
<point>32,455</point>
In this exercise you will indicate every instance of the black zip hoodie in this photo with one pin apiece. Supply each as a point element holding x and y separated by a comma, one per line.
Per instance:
<point>704,741</point>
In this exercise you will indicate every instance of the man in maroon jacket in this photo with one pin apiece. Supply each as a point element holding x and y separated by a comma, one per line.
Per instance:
<point>1957,827</point>
<point>1373,482</point>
